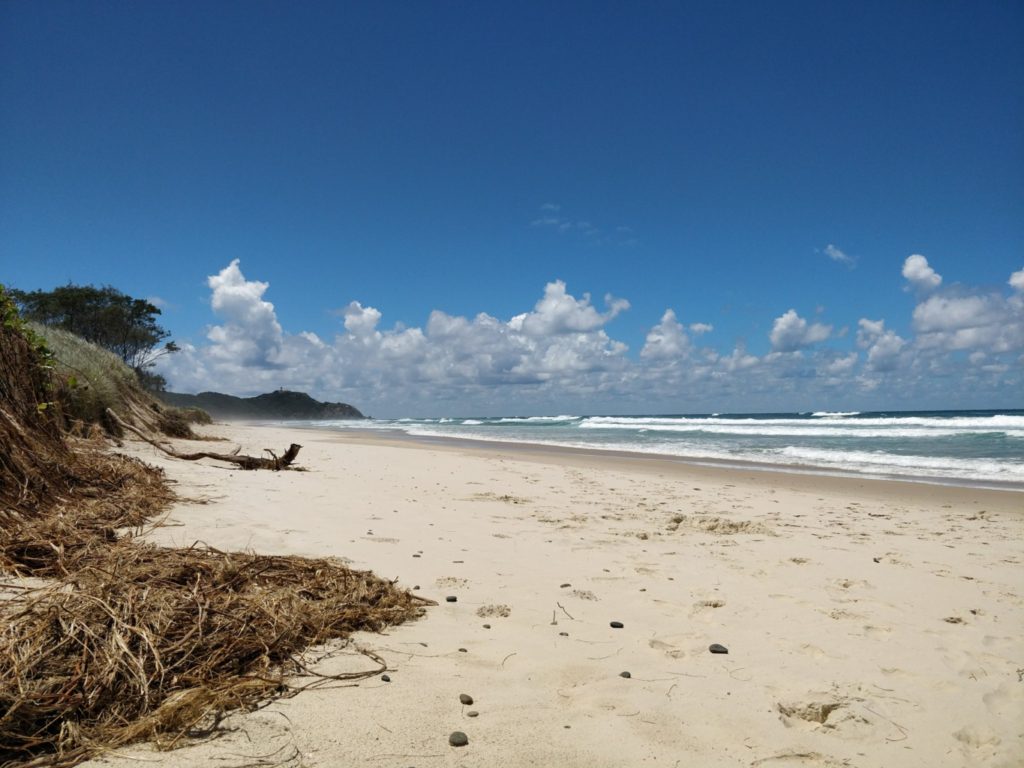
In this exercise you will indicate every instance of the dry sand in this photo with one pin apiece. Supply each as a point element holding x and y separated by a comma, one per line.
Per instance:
<point>868,623</point>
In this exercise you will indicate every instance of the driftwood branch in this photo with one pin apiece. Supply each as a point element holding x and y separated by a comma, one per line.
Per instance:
<point>275,462</point>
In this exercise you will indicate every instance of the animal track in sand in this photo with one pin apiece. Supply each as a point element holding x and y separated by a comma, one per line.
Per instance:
<point>451,581</point>
<point>489,611</point>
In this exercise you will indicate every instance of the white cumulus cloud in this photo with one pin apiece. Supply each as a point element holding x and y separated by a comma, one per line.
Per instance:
<point>920,276</point>
<point>558,312</point>
<point>667,339</point>
<point>559,355</point>
<point>790,332</point>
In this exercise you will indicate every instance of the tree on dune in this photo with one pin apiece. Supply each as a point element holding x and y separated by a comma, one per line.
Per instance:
<point>106,317</point>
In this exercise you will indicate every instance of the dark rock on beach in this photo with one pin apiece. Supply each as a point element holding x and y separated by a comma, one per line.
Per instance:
<point>465,698</point>
<point>716,648</point>
<point>458,739</point>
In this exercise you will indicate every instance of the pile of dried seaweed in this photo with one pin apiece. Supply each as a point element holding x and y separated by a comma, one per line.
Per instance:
<point>127,641</point>
<point>152,643</point>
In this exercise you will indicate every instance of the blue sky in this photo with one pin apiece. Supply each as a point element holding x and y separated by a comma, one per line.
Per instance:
<point>762,170</point>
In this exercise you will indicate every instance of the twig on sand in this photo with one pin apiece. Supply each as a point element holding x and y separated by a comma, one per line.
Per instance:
<point>893,722</point>
<point>507,658</point>
<point>565,611</point>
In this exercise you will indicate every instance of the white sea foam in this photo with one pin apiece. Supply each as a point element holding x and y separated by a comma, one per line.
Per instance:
<point>956,424</point>
<point>535,419</point>
<point>913,465</point>
<point>834,414</point>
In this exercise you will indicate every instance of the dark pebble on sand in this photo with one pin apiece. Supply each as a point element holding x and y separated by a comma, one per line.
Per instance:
<point>563,586</point>
<point>625,674</point>
<point>465,698</point>
<point>415,555</point>
<point>472,713</point>
<point>617,625</point>
<point>385,678</point>
<point>462,650</point>
<point>451,599</point>
<point>458,739</point>
<point>416,587</point>
<point>716,648</point>
<point>487,626</point>
<point>564,634</point>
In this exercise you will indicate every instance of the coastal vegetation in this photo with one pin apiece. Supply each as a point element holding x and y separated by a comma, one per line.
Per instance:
<point>104,316</point>
<point>107,639</point>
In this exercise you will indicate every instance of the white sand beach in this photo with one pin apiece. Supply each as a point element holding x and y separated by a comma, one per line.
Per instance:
<point>868,623</point>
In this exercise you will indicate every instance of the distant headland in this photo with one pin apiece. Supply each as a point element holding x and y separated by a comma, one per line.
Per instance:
<point>282,404</point>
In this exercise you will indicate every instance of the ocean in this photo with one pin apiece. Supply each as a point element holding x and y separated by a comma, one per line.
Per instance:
<point>959,447</point>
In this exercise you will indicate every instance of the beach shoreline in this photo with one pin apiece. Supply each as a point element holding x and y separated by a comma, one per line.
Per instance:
<point>554,450</point>
<point>868,622</point>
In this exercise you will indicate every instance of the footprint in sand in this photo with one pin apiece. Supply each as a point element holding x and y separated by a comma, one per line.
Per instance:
<point>977,740</point>
<point>491,611</point>
<point>703,606</point>
<point>669,646</point>
<point>829,714</point>
<point>452,581</point>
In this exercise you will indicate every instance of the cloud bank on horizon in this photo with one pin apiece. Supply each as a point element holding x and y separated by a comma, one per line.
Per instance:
<point>967,346</point>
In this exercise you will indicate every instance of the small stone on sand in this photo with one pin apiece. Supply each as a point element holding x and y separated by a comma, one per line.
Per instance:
<point>385,678</point>
<point>625,674</point>
<point>462,650</point>
<point>564,634</point>
<point>458,739</point>
<point>451,599</point>
<point>716,648</point>
<point>472,713</point>
<point>487,626</point>
<point>465,698</point>
<point>617,625</point>
<point>565,585</point>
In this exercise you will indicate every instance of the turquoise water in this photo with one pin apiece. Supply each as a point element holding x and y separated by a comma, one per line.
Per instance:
<point>951,446</point>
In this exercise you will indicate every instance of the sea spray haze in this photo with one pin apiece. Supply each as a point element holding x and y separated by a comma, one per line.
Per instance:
<point>971,447</point>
